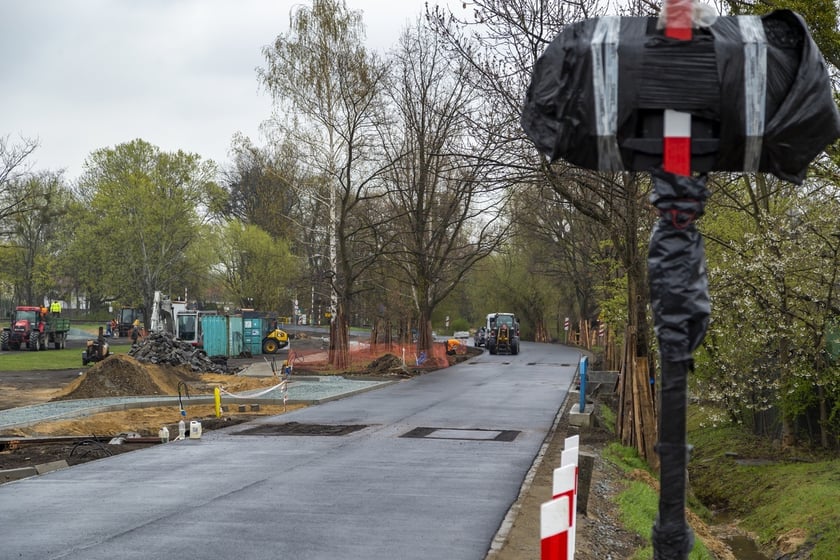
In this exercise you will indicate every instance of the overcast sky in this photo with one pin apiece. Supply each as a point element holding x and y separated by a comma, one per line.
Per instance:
<point>80,75</point>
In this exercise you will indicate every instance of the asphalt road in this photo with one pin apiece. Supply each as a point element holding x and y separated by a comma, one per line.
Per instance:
<point>371,493</point>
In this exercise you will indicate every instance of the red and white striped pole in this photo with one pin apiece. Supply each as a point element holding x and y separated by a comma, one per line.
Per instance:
<point>564,487</point>
<point>676,150</point>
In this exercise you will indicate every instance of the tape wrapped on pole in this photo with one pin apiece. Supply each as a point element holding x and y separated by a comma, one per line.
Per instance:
<point>676,148</point>
<point>604,48</point>
<point>755,88</point>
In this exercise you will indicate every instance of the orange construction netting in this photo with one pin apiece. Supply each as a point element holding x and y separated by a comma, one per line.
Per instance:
<point>363,354</point>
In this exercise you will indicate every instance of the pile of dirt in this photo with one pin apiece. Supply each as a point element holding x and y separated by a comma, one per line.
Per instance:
<point>120,375</point>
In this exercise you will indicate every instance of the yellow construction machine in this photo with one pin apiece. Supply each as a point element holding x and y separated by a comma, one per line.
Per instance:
<point>274,341</point>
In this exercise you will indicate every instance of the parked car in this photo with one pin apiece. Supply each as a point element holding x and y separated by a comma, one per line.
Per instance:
<point>480,336</point>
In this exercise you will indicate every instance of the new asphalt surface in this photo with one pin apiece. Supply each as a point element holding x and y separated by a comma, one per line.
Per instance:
<point>425,468</point>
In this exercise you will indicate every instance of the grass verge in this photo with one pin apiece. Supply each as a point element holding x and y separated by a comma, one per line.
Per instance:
<point>775,494</point>
<point>639,503</point>
<point>51,359</point>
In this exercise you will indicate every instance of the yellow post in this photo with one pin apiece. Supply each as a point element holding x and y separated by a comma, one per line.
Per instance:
<point>217,395</point>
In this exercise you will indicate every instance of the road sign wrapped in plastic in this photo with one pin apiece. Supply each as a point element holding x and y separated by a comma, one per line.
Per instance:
<point>756,88</point>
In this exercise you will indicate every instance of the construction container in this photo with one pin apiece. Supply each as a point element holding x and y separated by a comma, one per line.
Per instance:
<point>224,335</point>
<point>235,335</point>
<point>252,328</point>
<point>215,329</point>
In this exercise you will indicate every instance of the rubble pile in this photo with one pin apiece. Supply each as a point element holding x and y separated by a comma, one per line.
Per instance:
<point>387,364</point>
<point>163,348</point>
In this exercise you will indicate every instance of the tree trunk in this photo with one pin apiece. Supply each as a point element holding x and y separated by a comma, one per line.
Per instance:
<point>540,331</point>
<point>425,340</point>
<point>823,417</point>
<point>339,338</point>
<point>375,337</point>
<point>788,435</point>
<point>638,353</point>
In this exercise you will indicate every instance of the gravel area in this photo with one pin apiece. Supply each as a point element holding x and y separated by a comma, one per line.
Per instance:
<point>310,390</point>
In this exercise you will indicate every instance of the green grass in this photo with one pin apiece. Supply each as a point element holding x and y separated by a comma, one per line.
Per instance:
<point>607,416</point>
<point>639,503</point>
<point>799,490</point>
<point>90,328</point>
<point>69,358</point>
<point>626,458</point>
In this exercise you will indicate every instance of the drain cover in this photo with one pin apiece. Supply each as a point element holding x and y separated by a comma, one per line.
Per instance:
<point>298,429</point>
<point>479,434</point>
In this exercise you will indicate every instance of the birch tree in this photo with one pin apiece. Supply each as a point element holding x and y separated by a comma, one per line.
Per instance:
<point>326,87</point>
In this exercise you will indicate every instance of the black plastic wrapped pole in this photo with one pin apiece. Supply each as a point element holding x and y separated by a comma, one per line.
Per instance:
<point>680,303</point>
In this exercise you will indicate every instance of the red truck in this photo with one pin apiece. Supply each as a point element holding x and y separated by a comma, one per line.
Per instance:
<point>34,328</point>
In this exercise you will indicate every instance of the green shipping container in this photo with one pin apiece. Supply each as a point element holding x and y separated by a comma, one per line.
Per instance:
<point>235,336</point>
<point>252,329</point>
<point>214,330</point>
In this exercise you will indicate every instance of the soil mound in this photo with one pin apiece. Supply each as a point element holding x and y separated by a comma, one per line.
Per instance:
<point>385,364</point>
<point>121,375</point>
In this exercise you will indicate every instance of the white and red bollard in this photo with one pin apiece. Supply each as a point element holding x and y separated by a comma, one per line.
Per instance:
<point>554,529</point>
<point>557,517</point>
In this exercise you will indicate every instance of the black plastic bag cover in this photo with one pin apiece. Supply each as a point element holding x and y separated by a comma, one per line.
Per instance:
<point>679,291</point>
<point>595,88</point>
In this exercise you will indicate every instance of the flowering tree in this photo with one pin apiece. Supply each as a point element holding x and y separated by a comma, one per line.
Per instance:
<point>773,269</point>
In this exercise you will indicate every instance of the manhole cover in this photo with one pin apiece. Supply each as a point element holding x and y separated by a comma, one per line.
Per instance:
<point>298,429</point>
<point>479,434</point>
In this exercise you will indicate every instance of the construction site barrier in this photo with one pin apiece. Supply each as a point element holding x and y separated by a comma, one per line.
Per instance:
<point>558,535</point>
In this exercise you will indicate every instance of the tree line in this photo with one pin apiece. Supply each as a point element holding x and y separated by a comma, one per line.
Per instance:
<point>397,189</point>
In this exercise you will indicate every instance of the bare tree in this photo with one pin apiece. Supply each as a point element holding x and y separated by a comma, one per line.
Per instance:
<point>445,195</point>
<point>502,40</point>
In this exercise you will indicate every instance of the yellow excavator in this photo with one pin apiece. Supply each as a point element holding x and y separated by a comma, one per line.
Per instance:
<point>274,341</point>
